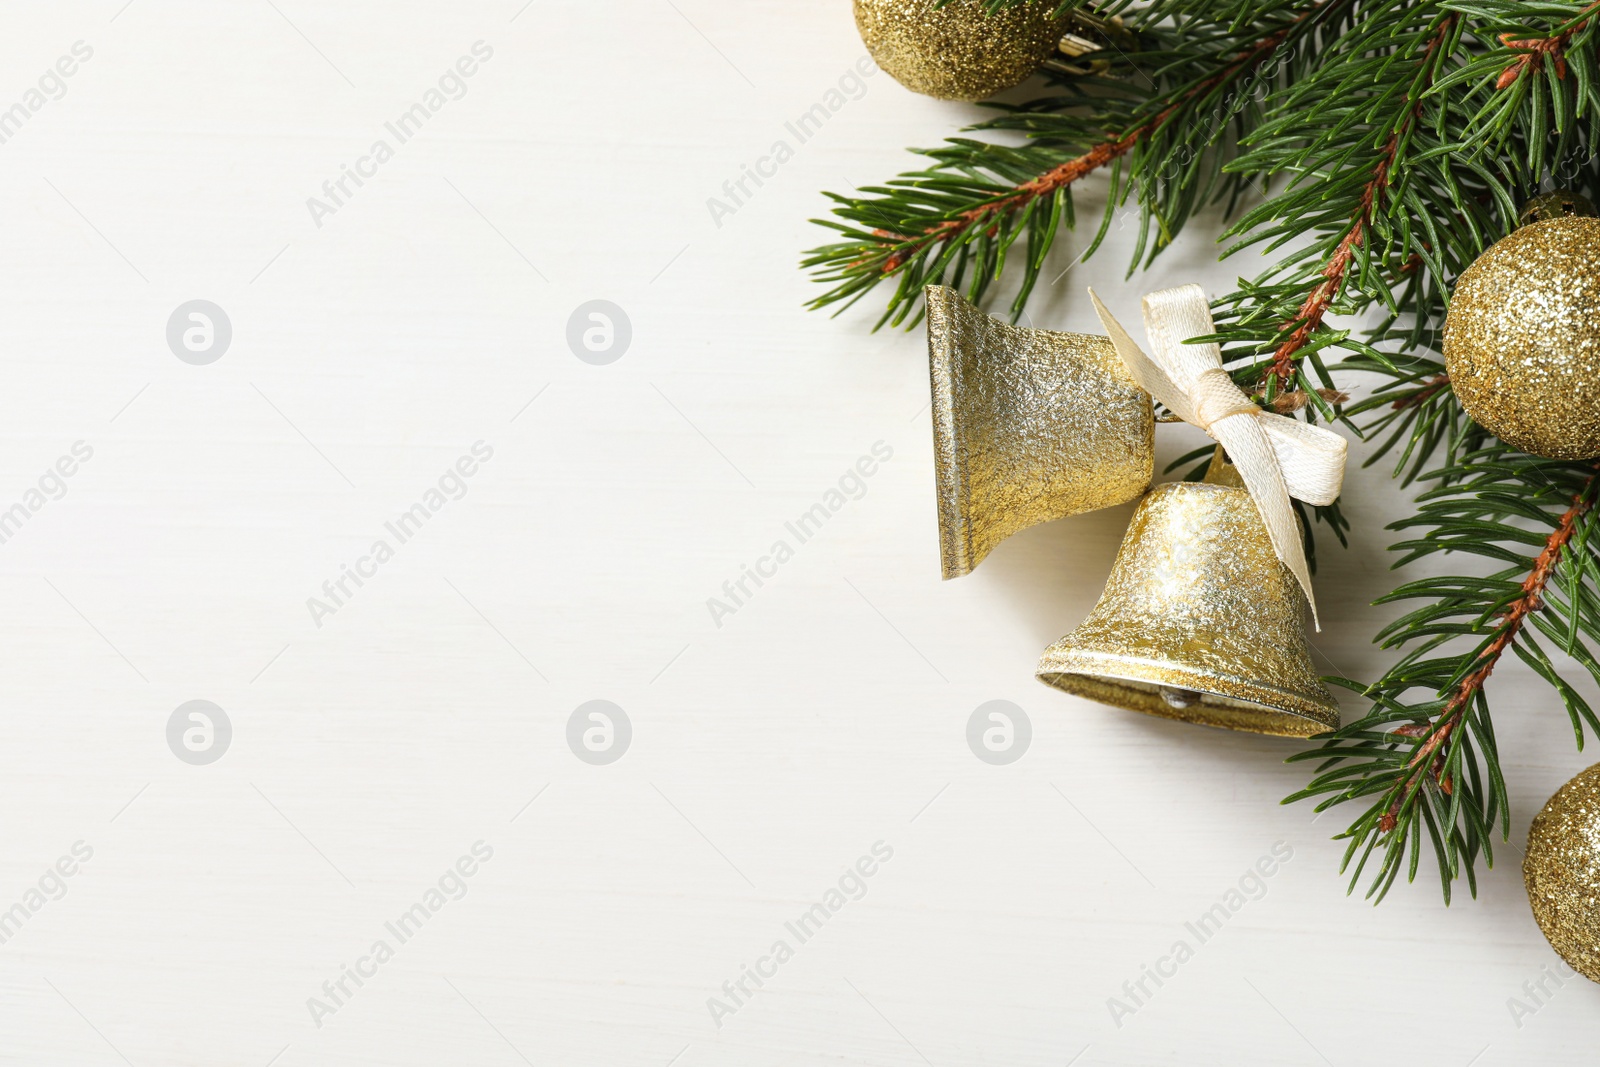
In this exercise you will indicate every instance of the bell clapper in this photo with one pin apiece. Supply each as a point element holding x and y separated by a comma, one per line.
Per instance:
<point>1179,698</point>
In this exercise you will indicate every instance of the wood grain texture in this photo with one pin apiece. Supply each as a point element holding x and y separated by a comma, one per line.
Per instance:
<point>769,753</point>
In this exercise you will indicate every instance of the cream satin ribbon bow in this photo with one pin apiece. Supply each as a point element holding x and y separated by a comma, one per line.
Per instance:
<point>1278,457</point>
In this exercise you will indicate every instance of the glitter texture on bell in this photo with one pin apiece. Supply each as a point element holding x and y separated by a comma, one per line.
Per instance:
<point>958,52</point>
<point>1199,620</point>
<point>1028,426</point>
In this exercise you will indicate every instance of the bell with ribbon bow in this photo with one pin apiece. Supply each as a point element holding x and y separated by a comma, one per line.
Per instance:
<point>1202,618</point>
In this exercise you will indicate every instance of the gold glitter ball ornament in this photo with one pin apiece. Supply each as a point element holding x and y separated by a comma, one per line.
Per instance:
<point>1562,872</point>
<point>1522,339</point>
<point>957,52</point>
<point>1199,620</point>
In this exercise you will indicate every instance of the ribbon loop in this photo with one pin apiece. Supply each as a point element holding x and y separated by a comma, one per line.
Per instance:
<point>1277,457</point>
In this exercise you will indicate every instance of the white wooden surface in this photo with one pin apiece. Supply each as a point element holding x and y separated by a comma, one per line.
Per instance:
<point>768,754</point>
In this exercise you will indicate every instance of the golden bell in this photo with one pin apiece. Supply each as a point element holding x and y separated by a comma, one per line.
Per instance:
<point>1028,426</point>
<point>1199,621</point>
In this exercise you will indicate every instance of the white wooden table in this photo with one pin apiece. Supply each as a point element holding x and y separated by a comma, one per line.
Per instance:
<point>398,769</point>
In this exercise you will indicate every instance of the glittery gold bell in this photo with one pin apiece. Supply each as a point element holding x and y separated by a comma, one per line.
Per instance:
<point>1199,620</point>
<point>1522,337</point>
<point>958,52</point>
<point>1028,426</point>
<point>1561,872</point>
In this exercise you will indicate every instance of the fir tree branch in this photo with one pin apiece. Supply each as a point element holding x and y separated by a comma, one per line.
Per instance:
<point>1515,616</point>
<point>985,215</point>
<point>1283,366</point>
<point>1418,415</point>
<point>1169,122</point>
<point>1352,184</point>
<point>1102,154</point>
<point>1536,50</point>
<point>1431,765</point>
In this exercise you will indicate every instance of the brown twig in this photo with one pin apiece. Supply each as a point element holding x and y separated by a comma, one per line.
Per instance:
<point>1535,50</point>
<point>1511,622</point>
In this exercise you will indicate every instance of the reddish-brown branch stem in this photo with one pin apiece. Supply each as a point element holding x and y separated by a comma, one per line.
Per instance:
<point>1102,154</point>
<point>1337,267</point>
<point>1429,756</point>
<point>1044,185</point>
<point>1536,49</point>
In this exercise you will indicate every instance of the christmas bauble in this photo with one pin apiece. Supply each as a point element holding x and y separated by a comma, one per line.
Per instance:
<point>1562,872</point>
<point>1522,339</point>
<point>957,52</point>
